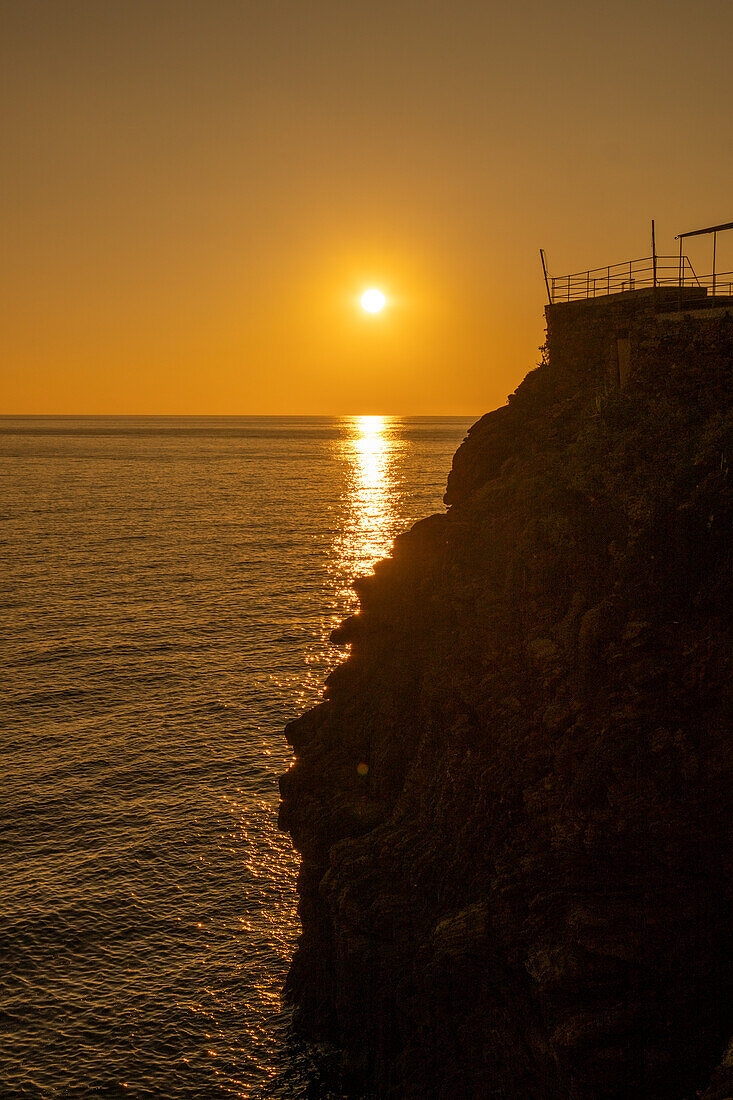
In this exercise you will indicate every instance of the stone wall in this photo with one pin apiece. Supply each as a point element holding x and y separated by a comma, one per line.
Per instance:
<point>600,338</point>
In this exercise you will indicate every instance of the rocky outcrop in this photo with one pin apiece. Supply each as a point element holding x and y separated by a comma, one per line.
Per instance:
<point>512,805</point>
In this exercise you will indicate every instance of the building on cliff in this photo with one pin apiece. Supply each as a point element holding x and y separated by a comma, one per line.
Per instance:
<point>605,314</point>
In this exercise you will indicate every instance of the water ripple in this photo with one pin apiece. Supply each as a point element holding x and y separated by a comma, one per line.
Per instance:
<point>169,586</point>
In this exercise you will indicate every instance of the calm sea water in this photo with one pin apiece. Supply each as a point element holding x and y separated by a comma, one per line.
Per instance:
<point>167,589</point>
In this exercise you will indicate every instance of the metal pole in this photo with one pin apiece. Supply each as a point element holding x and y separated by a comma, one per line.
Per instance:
<point>679,280</point>
<point>544,272</point>
<point>715,241</point>
<point>654,269</point>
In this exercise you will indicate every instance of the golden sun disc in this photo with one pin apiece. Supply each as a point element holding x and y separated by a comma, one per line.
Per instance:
<point>373,300</point>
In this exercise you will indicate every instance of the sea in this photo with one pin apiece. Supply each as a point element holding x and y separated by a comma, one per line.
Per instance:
<point>167,588</point>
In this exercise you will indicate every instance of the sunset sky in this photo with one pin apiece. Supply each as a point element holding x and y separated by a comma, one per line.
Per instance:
<point>196,194</point>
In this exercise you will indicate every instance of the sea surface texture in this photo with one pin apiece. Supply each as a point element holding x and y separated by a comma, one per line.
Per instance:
<point>167,589</point>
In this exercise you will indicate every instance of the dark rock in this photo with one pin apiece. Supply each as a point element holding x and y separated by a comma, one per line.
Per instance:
<point>514,806</point>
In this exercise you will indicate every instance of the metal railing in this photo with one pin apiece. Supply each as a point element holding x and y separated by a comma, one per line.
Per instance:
<point>650,271</point>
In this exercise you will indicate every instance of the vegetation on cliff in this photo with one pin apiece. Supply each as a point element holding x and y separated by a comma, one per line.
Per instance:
<point>512,804</point>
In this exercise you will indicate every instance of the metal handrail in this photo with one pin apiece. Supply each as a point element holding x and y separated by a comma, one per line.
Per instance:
<point>648,271</point>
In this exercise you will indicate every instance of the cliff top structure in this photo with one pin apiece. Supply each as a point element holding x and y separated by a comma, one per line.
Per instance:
<point>606,315</point>
<point>667,283</point>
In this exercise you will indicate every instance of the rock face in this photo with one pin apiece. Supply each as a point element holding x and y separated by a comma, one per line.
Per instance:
<point>513,806</point>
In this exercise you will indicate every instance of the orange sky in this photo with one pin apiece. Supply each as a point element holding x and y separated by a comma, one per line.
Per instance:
<point>196,193</point>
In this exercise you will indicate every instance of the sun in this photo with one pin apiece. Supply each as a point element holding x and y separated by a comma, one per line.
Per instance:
<point>373,300</point>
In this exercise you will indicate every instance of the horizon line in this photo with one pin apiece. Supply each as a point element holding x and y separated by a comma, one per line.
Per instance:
<point>229,416</point>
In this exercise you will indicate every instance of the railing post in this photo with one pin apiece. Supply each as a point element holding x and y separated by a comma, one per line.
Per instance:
<point>715,241</point>
<point>587,284</point>
<point>608,280</point>
<point>542,256</point>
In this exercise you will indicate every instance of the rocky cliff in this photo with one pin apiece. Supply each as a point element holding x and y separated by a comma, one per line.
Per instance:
<point>513,804</point>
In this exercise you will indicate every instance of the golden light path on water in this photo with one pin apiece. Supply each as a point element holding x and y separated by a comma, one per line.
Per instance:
<point>369,452</point>
<point>370,521</point>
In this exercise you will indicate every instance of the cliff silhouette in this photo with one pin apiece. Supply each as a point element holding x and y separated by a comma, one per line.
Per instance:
<point>513,804</point>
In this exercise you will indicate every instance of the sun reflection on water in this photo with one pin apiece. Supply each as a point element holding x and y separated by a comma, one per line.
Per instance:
<point>370,519</point>
<point>369,453</point>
